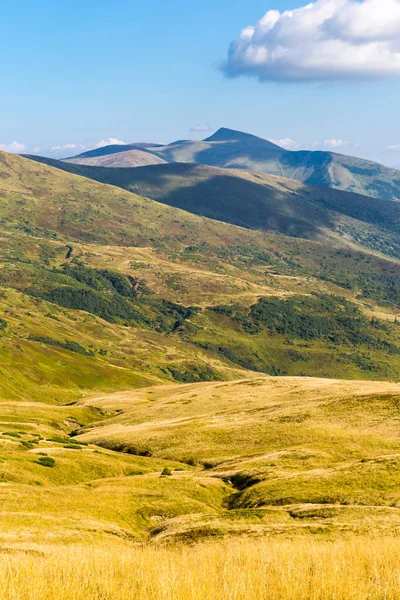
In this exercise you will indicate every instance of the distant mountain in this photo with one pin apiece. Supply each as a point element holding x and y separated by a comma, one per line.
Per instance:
<point>236,150</point>
<point>112,149</point>
<point>128,158</point>
<point>257,201</point>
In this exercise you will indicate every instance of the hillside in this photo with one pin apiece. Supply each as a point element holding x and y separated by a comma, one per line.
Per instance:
<point>237,150</point>
<point>193,260</point>
<point>113,149</point>
<point>128,158</point>
<point>140,349</point>
<point>271,203</point>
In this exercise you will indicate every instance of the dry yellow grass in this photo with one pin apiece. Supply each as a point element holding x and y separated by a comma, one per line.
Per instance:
<point>249,421</point>
<point>356,569</point>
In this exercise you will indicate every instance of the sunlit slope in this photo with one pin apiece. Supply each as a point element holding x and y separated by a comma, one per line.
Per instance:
<point>53,354</point>
<point>297,422</point>
<point>213,273</point>
<point>299,455</point>
<point>129,158</point>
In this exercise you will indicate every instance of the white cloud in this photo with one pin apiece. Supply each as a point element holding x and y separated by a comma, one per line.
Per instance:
<point>85,147</point>
<point>201,128</point>
<point>323,40</point>
<point>286,143</point>
<point>110,142</point>
<point>393,147</point>
<point>14,147</point>
<point>68,147</point>
<point>337,143</point>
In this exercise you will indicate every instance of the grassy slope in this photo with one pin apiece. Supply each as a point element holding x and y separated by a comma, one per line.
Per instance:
<point>197,260</point>
<point>319,450</point>
<point>42,200</point>
<point>272,203</point>
<point>272,456</point>
<point>322,451</point>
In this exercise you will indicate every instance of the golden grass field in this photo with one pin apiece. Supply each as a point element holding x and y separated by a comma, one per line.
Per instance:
<point>356,569</point>
<point>261,456</point>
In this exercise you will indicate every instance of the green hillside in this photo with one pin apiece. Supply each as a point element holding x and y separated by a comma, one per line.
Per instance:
<point>271,203</point>
<point>204,282</point>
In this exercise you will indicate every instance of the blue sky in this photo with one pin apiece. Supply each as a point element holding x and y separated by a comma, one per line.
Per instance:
<point>147,70</point>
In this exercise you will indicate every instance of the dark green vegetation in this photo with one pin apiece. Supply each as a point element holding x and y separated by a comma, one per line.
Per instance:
<point>110,296</point>
<point>237,150</point>
<point>323,334</point>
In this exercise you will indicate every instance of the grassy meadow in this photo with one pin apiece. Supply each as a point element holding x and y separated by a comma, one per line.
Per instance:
<point>360,569</point>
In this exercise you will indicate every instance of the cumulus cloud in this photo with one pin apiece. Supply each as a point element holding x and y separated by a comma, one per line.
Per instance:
<point>286,143</point>
<point>14,147</point>
<point>110,142</point>
<point>205,127</point>
<point>321,41</point>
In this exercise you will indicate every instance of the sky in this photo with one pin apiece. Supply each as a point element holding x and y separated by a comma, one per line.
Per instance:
<point>78,74</point>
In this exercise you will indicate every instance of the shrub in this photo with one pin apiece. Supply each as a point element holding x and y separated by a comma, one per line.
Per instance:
<point>166,472</point>
<point>27,445</point>
<point>46,461</point>
<point>59,440</point>
<point>67,345</point>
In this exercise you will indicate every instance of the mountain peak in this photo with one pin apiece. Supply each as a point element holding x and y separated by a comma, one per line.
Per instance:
<point>224,135</point>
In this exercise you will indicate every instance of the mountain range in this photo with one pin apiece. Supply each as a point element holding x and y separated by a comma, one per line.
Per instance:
<point>236,150</point>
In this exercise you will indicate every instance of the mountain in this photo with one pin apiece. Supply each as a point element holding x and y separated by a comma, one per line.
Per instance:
<point>113,149</point>
<point>127,158</point>
<point>257,201</point>
<point>236,150</point>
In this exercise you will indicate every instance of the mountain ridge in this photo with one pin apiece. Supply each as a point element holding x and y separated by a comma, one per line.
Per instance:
<point>228,148</point>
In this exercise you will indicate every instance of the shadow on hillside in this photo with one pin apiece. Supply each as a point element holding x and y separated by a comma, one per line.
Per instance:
<point>232,200</point>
